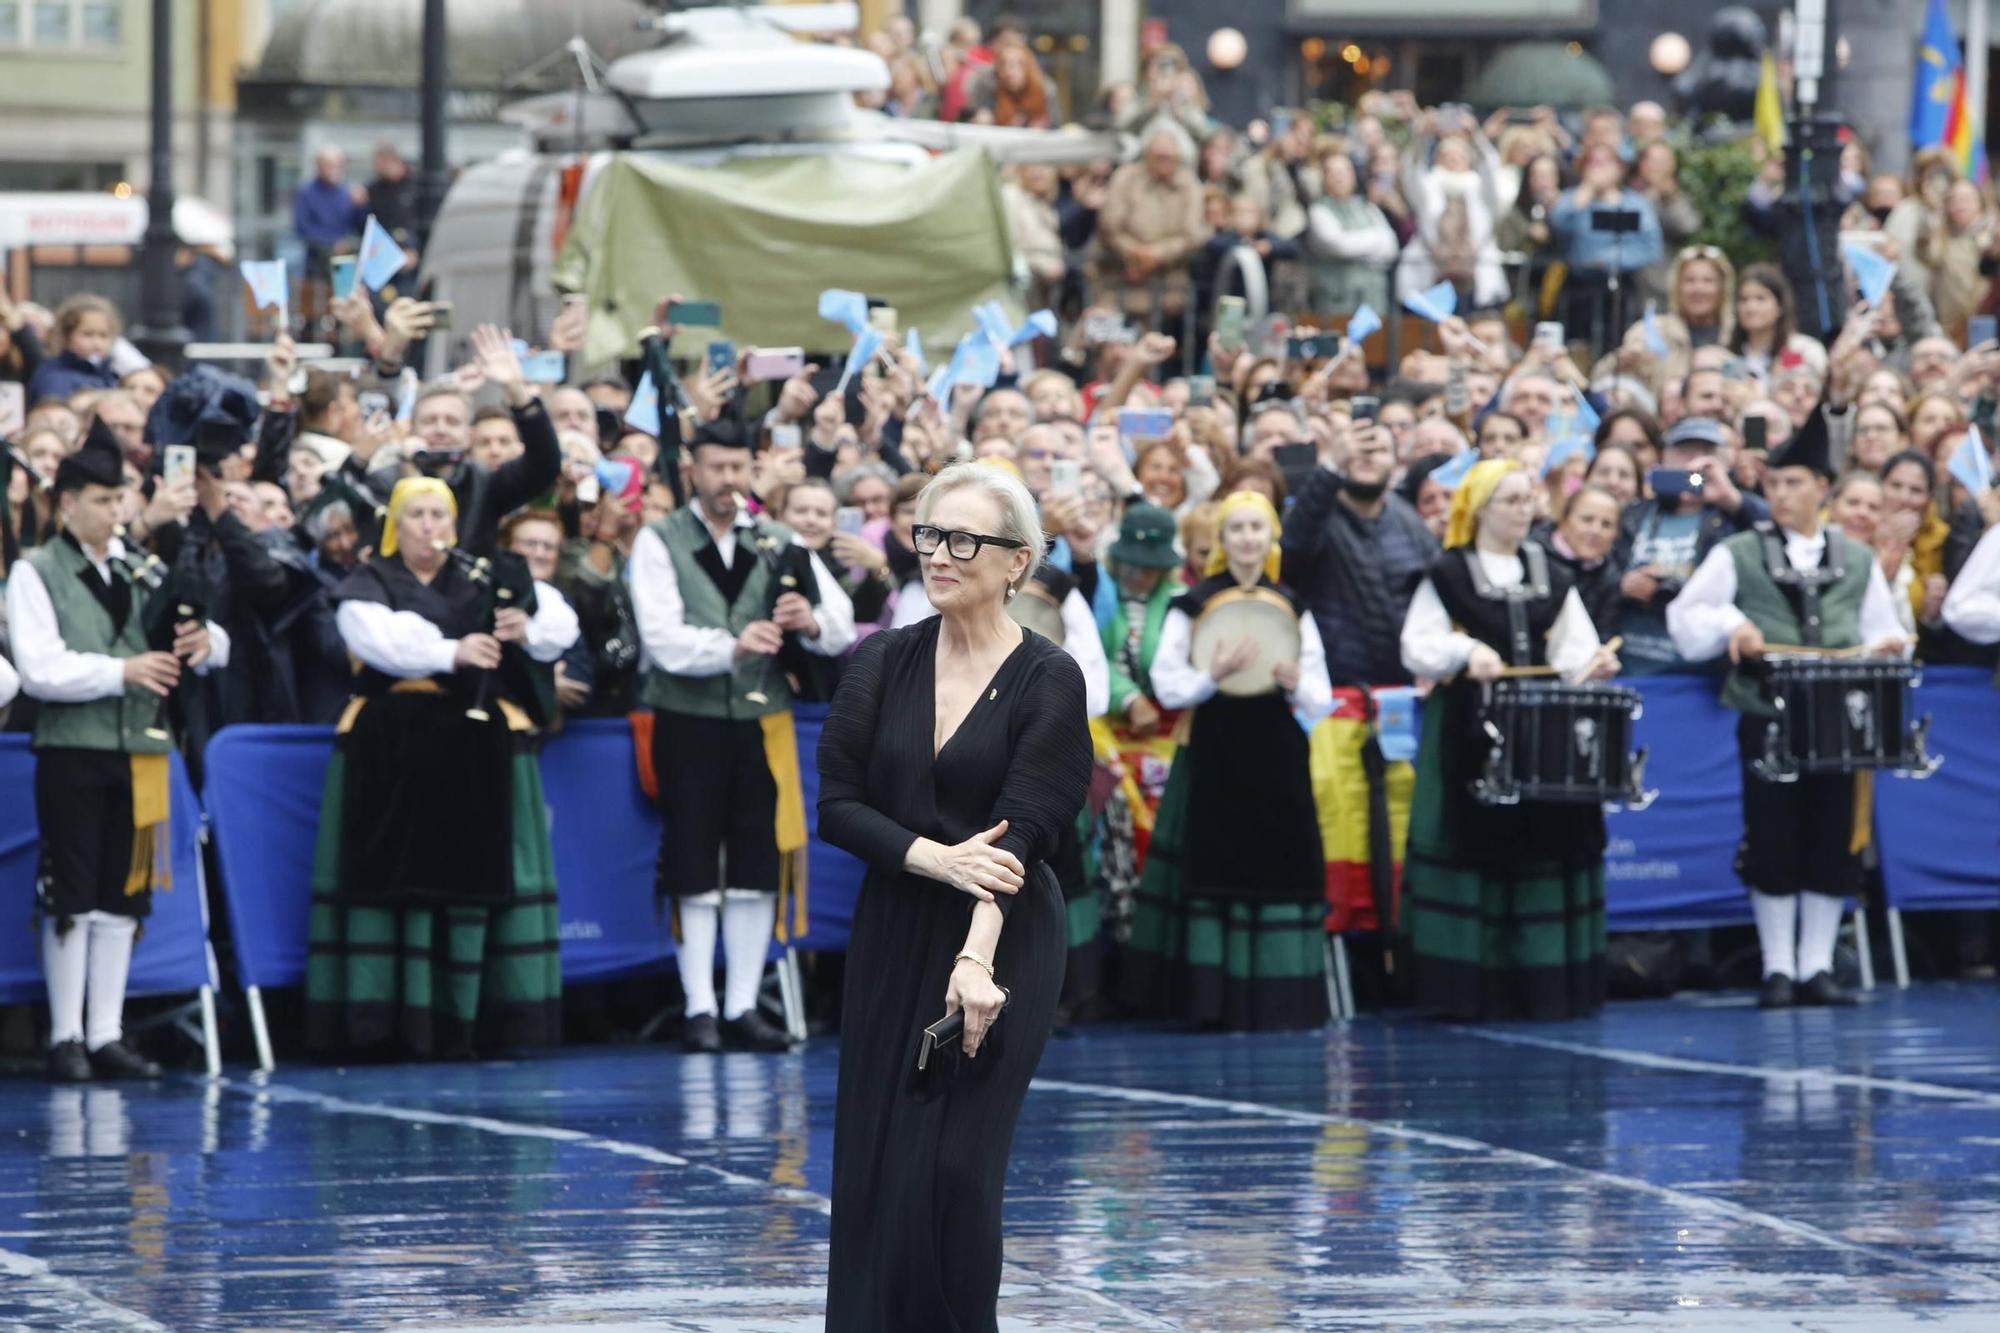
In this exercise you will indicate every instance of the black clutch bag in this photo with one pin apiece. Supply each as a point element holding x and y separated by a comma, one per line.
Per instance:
<point>943,1038</point>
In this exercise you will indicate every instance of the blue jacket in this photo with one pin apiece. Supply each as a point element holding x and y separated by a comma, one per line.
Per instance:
<point>1586,248</point>
<point>324,213</point>
<point>67,373</point>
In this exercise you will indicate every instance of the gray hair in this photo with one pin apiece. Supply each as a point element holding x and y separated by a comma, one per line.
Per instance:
<point>848,478</point>
<point>317,523</point>
<point>1019,519</point>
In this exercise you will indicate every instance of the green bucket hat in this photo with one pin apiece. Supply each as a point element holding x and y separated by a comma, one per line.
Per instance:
<point>1146,538</point>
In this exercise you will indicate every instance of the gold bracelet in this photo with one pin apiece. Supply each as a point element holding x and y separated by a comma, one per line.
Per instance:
<point>966,956</point>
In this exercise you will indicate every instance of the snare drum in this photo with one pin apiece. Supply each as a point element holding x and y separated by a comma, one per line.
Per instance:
<point>1267,617</point>
<point>1549,741</point>
<point>1842,715</point>
<point>1035,607</point>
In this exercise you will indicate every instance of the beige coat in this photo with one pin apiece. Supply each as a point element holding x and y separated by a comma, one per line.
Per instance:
<point>1141,210</point>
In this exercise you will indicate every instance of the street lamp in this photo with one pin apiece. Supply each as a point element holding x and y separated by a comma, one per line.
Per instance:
<point>433,174</point>
<point>160,333</point>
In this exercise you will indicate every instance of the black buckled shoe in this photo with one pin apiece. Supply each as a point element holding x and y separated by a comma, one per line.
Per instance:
<point>68,1063</point>
<point>754,1032</point>
<point>1821,990</point>
<point>700,1035</point>
<point>1779,992</point>
<point>117,1060</point>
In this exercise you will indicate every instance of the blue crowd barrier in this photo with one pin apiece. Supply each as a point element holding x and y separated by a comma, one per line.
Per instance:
<point>1670,866</point>
<point>264,788</point>
<point>172,955</point>
<point>1940,837</point>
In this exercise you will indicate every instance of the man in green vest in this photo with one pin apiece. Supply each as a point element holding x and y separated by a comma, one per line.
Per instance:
<point>101,746</point>
<point>1796,582</point>
<point>719,593</point>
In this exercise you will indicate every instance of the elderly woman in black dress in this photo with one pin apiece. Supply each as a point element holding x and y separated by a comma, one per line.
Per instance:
<point>955,754</point>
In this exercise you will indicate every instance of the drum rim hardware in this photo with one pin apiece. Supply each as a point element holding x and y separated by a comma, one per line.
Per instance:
<point>1497,783</point>
<point>1779,761</point>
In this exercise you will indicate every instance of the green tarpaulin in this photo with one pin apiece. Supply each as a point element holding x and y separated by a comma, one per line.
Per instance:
<point>766,236</point>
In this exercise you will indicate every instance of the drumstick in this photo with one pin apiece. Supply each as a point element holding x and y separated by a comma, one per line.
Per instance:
<point>1803,650</point>
<point>1513,673</point>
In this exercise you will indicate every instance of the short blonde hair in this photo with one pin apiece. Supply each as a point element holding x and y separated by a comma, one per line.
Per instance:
<point>1019,519</point>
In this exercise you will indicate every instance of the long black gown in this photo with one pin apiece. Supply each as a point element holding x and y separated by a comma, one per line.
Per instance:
<point>919,1166</point>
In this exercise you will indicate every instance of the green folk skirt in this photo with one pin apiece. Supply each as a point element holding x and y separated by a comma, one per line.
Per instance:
<point>1526,941</point>
<point>1222,962</point>
<point>435,982</point>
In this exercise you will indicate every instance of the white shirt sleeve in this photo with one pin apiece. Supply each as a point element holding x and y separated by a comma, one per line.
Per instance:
<point>1705,614</point>
<point>397,643</point>
<point>835,613</point>
<point>1177,681</point>
<point>219,644</point>
<point>672,645</point>
<point>1081,642</point>
<point>1972,607</point>
<point>553,629</point>
<point>1879,620</point>
<point>1573,638</point>
<point>49,670</point>
<point>1431,647</point>
<point>10,682</point>
<point>1314,696</point>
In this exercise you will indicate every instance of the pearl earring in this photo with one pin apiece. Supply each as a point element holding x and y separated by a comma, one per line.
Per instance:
<point>1011,592</point>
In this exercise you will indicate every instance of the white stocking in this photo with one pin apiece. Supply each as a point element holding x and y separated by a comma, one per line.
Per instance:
<point>64,959</point>
<point>1819,928</point>
<point>1777,930</point>
<point>747,920</point>
<point>111,939</point>
<point>696,956</point>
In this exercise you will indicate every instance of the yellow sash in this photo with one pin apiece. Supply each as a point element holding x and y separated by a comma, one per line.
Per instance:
<point>150,865</point>
<point>781,754</point>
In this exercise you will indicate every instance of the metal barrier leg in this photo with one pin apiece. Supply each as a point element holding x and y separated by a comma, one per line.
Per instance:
<point>1862,948</point>
<point>791,988</point>
<point>1900,958</point>
<point>211,1041</point>
<point>260,1032</point>
<point>1340,981</point>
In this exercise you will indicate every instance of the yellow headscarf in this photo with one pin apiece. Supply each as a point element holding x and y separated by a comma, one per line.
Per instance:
<point>1474,490</point>
<point>408,489</point>
<point>1218,558</point>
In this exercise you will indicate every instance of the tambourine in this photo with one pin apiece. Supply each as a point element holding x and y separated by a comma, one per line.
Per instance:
<point>1035,607</point>
<point>1266,618</point>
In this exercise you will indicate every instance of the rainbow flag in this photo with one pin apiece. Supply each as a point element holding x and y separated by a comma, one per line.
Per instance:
<point>1939,115</point>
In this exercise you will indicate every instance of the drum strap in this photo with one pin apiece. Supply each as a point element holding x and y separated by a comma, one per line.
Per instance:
<point>1534,587</point>
<point>1803,585</point>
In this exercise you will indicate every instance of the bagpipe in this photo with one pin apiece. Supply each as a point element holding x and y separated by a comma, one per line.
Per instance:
<point>791,570</point>
<point>502,581</point>
<point>166,596</point>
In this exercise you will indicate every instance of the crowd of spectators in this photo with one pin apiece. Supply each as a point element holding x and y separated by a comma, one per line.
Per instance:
<point>1712,376</point>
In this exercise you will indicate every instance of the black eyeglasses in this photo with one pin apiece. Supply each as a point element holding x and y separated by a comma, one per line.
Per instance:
<point>961,545</point>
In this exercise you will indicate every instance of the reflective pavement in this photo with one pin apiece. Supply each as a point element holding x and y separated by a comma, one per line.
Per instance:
<point>1682,1164</point>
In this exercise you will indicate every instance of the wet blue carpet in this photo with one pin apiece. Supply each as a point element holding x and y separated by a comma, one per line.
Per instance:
<point>1680,1164</point>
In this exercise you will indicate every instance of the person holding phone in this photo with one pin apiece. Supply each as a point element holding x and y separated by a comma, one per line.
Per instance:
<point>955,753</point>
<point>1790,580</point>
<point>77,626</point>
<point>1694,506</point>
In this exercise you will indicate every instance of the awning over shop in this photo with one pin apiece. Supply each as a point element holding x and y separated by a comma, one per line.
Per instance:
<point>30,219</point>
